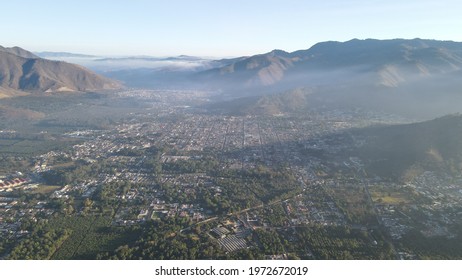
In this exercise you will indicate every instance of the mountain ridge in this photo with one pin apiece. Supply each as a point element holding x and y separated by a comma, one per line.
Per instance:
<point>391,62</point>
<point>18,52</point>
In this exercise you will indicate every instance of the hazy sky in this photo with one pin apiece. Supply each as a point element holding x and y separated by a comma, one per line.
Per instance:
<point>218,27</point>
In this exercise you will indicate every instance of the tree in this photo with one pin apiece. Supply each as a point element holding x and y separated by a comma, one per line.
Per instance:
<point>87,202</point>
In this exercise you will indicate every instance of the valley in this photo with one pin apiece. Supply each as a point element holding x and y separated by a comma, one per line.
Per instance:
<point>150,173</point>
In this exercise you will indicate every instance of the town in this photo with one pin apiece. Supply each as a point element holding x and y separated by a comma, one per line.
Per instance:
<point>278,186</point>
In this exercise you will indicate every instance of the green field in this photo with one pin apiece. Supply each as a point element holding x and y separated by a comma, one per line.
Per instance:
<point>90,235</point>
<point>31,147</point>
<point>24,147</point>
<point>45,189</point>
<point>390,195</point>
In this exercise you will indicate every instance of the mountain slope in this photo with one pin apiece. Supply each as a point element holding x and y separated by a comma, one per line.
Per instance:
<point>401,151</point>
<point>291,101</point>
<point>28,73</point>
<point>258,70</point>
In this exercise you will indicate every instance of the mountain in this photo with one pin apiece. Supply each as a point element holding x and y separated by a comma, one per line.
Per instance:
<point>258,70</point>
<point>416,78</point>
<point>386,63</point>
<point>22,72</point>
<point>404,151</point>
<point>371,64</point>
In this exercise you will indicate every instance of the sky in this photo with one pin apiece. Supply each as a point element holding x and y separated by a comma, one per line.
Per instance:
<point>218,28</point>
